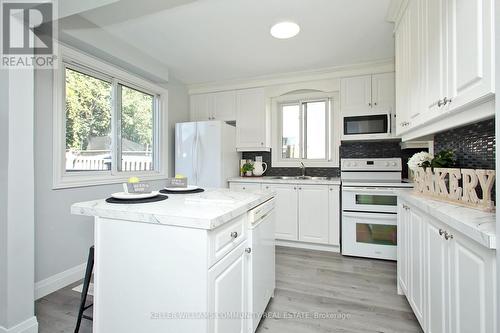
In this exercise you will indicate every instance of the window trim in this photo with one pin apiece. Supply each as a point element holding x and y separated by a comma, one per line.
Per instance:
<point>92,66</point>
<point>333,136</point>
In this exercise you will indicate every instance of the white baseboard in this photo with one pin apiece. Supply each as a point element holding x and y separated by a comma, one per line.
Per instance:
<point>309,246</point>
<point>28,326</point>
<point>58,281</point>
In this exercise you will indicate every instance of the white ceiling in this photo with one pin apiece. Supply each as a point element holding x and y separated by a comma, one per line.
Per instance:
<point>216,40</point>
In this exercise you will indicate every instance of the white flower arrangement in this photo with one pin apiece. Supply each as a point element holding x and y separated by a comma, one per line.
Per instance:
<point>418,159</point>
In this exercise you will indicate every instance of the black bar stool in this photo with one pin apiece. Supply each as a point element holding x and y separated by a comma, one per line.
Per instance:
<point>85,290</point>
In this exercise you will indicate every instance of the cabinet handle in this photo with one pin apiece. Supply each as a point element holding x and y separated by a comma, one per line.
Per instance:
<point>448,236</point>
<point>441,232</point>
<point>248,250</point>
<point>234,234</point>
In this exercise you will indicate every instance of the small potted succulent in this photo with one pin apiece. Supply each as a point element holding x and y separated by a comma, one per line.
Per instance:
<point>247,169</point>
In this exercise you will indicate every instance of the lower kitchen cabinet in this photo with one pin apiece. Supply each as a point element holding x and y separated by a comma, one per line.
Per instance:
<point>305,213</point>
<point>313,213</point>
<point>334,215</point>
<point>447,277</point>
<point>286,210</point>
<point>227,288</point>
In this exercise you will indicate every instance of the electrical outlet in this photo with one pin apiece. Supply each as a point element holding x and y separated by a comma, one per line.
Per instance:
<point>258,158</point>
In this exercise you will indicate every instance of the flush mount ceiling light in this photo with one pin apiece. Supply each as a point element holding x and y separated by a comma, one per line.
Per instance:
<point>284,30</point>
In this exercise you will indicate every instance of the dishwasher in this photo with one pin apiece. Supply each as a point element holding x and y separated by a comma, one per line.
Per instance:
<point>261,266</point>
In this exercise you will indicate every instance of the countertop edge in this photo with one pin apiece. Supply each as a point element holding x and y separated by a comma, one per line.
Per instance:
<point>82,209</point>
<point>477,225</point>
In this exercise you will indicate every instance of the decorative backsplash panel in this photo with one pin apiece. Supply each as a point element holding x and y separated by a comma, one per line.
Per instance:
<point>377,149</point>
<point>266,157</point>
<point>474,145</point>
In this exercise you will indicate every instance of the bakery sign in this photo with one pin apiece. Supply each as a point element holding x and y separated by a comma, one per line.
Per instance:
<point>467,187</point>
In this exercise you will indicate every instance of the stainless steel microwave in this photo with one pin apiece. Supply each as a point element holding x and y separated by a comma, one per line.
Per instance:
<point>367,126</point>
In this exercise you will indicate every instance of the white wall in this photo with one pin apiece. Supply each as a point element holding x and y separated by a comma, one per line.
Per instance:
<point>61,239</point>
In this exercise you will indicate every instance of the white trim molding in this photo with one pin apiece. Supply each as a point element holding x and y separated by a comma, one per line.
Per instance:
<point>308,246</point>
<point>28,326</point>
<point>61,178</point>
<point>59,281</point>
<point>336,72</point>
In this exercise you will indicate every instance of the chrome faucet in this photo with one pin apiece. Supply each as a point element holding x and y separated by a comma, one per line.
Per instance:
<point>303,168</point>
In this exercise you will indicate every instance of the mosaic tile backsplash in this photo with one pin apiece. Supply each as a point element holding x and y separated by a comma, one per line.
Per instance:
<point>316,172</point>
<point>474,145</point>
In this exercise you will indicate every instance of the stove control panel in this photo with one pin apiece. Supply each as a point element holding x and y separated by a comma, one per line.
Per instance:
<point>371,164</point>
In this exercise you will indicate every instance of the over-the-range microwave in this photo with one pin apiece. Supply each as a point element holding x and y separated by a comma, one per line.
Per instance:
<point>367,126</point>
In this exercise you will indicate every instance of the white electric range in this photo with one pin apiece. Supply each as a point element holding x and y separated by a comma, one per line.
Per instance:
<point>369,206</point>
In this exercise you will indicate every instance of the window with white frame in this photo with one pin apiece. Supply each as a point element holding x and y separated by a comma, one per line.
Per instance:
<point>109,126</point>
<point>304,127</point>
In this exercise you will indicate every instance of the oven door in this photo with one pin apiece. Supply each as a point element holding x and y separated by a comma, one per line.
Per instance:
<point>369,199</point>
<point>371,235</point>
<point>367,126</point>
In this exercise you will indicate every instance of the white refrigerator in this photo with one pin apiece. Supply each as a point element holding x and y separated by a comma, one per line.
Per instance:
<point>205,153</point>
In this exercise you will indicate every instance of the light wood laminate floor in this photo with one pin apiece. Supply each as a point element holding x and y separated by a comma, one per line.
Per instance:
<point>349,294</point>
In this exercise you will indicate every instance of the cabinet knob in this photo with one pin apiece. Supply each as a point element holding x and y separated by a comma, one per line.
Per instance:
<point>441,232</point>
<point>294,188</point>
<point>262,143</point>
<point>234,234</point>
<point>448,236</point>
<point>375,103</point>
<point>300,188</point>
<point>248,250</point>
<point>369,104</point>
<point>244,188</point>
<point>267,187</point>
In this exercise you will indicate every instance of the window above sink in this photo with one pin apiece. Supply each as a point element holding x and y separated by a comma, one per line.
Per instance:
<point>306,129</point>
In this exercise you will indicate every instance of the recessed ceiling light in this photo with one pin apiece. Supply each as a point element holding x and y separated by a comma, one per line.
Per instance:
<point>283,30</point>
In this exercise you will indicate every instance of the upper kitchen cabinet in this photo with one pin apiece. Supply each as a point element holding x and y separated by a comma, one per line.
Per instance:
<point>356,94</point>
<point>366,94</point>
<point>252,121</point>
<point>213,106</point>
<point>444,65</point>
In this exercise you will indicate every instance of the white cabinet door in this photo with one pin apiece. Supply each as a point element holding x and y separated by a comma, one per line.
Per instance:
<point>402,75</point>
<point>472,293</point>
<point>470,50</point>
<point>334,215</point>
<point>403,248</point>
<point>286,211</point>
<point>356,94</point>
<point>313,213</point>
<point>227,292</point>
<point>383,91</point>
<point>251,119</point>
<point>436,68</point>
<point>200,107</point>
<point>224,106</point>
<point>233,186</point>
<point>436,276</point>
<point>416,259</point>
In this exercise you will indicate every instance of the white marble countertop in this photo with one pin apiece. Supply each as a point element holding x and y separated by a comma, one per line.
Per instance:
<point>475,224</point>
<point>273,180</point>
<point>207,210</point>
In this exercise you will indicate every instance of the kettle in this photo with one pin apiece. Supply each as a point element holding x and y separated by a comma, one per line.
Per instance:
<point>259,168</point>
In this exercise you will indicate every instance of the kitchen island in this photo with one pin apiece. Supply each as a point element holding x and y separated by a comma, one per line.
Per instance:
<point>178,265</point>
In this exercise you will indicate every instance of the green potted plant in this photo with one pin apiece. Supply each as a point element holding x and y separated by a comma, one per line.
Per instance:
<point>247,169</point>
